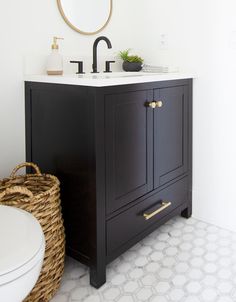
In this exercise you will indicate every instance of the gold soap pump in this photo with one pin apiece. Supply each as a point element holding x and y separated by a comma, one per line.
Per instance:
<point>55,60</point>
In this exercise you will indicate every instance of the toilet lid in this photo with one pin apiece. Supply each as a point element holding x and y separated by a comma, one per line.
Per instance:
<point>21,237</point>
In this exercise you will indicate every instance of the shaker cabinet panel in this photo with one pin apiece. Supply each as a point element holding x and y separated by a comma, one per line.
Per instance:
<point>130,223</point>
<point>170,134</point>
<point>129,149</point>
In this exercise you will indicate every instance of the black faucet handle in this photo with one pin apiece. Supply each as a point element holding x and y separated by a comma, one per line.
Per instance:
<point>80,66</point>
<point>108,66</point>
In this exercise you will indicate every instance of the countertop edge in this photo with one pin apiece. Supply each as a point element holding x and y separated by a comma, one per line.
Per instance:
<point>103,82</point>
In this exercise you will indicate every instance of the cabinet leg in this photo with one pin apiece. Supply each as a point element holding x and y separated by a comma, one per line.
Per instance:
<point>187,213</point>
<point>97,276</point>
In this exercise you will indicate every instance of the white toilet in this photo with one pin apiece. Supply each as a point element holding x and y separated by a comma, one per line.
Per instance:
<point>22,247</point>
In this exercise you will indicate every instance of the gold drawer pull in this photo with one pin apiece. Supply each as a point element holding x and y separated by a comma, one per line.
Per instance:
<point>164,205</point>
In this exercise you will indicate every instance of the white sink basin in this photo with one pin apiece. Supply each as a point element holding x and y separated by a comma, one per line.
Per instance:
<point>111,75</point>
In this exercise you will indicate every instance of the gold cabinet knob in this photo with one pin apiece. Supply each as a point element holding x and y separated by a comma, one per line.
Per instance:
<point>159,104</point>
<point>152,105</point>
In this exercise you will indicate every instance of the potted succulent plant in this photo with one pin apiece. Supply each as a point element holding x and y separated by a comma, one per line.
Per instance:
<point>131,62</point>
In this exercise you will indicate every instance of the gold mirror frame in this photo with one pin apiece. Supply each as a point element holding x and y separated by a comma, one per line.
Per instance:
<point>78,30</point>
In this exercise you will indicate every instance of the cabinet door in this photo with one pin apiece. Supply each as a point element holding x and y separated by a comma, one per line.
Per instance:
<point>170,134</point>
<point>129,147</point>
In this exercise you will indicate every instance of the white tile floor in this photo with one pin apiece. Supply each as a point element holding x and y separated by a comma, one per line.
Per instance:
<point>184,260</point>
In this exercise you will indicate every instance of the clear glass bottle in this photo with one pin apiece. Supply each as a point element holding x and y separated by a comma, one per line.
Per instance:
<point>55,59</point>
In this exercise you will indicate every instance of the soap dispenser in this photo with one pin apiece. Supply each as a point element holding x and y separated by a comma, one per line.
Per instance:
<point>55,60</point>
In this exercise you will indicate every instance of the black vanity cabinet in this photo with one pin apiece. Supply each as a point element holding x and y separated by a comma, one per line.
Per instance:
<point>123,155</point>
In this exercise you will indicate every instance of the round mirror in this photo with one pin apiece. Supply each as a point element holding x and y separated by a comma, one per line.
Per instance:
<point>86,16</point>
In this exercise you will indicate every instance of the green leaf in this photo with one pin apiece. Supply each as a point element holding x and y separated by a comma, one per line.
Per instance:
<point>124,55</point>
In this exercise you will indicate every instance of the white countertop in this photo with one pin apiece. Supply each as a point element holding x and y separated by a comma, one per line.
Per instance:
<point>109,79</point>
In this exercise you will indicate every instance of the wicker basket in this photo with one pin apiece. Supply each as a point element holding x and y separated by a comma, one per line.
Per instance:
<point>39,194</point>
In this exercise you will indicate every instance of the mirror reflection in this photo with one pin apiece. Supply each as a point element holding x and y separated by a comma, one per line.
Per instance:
<point>86,16</point>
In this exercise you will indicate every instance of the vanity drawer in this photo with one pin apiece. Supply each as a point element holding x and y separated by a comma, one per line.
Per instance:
<point>130,223</point>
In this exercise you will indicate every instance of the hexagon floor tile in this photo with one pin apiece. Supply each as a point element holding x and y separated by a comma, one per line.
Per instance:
<point>183,260</point>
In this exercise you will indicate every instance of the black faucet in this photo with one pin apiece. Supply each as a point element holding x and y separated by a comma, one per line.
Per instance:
<point>95,45</point>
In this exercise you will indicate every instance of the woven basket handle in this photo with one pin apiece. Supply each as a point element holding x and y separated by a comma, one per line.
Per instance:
<point>32,165</point>
<point>16,189</point>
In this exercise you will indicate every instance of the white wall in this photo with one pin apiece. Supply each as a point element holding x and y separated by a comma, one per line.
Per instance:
<point>26,31</point>
<point>201,37</point>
